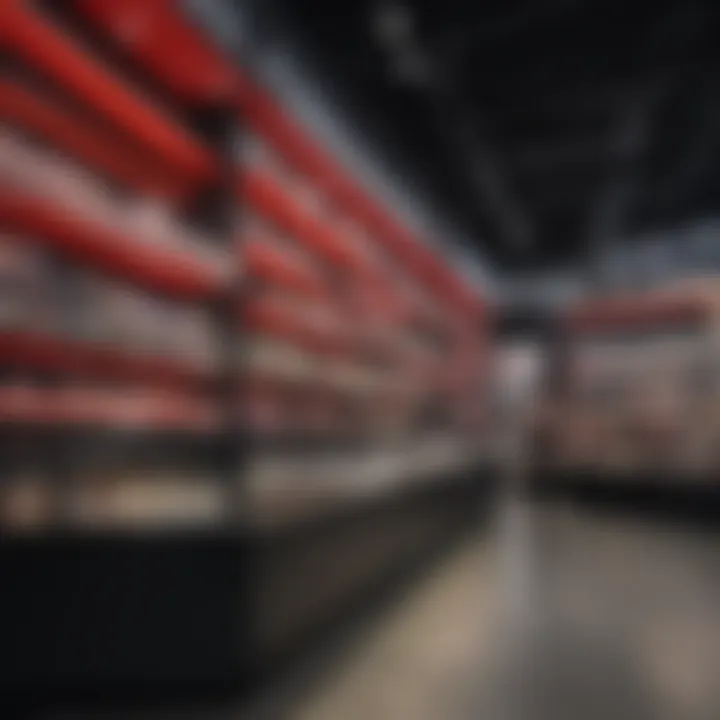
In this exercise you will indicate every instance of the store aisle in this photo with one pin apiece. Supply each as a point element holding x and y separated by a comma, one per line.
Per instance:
<point>553,614</point>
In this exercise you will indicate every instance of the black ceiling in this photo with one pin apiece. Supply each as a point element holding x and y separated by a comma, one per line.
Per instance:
<point>543,128</point>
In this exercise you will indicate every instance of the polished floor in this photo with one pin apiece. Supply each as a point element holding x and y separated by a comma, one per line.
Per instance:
<point>553,613</point>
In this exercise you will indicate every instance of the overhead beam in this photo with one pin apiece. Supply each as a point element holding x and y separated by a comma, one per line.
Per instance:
<point>554,195</point>
<point>700,149</point>
<point>629,140</point>
<point>458,126</point>
<point>486,171</point>
<point>455,45</point>
<point>538,156</point>
<point>668,43</point>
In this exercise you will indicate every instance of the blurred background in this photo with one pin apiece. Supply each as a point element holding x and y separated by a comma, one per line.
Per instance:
<point>360,360</point>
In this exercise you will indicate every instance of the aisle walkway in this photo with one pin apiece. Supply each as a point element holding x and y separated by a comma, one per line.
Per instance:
<point>554,615</point>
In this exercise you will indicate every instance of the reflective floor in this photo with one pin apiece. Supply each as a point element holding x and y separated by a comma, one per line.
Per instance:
<point>555,613</point>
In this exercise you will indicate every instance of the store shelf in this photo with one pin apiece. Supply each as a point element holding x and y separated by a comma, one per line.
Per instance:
<point>277,268</point>
<point>293,143</point>
<point>638,312</point>
<point>270,318</point>
<point>268,198</point>
<point>179,55</point>
<point>102,151</point>
<point>199,72</point>
<point>40,43</point>
<point>99,408</point>
<point>35,352</point>
<point>168,271</point>
<point>34,38</point>
<point>351,379</point>
<point>43,45</point>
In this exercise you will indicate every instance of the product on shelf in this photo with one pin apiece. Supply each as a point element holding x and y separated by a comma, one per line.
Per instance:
<point>82,405</point>
<point>108,311</point>
<point>47,174</point>
<point>260,156</point>
<point>156,222</point>
<point>631,404</point>
<point>272,358</point>
<point>196,339</point>
<point>26,503</point>
<point>26,280</point>
<point>137,497</point>
<point>28,166</point>
<point>265,410</point>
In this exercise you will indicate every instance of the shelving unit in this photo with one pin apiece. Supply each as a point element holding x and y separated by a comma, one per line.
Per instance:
<point>635,410</point>
<point>225,357</point>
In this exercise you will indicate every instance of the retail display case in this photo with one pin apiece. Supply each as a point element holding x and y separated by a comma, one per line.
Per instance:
<point>236,393</point>
<point>636,404</point>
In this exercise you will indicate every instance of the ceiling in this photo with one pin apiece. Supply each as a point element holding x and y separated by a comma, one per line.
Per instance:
<point>545,129</point>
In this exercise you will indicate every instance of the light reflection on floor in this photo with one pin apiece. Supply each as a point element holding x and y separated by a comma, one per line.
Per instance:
<point>556,614</point>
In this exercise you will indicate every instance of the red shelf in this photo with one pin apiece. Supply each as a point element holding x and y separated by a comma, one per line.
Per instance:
<point>198,72</point>
<point>269,121</point>
<point>167,271</point>
<point>267,197</point>
<point>30,35</point>
<point>628,313</point>
<point>100,150</point>
<point>104,409</point>
<point>266,317</point>
<point>42,44</point>
<point>173,162</point>
<point>274,266</point>
<point>180,56</point>
<point>35,351</point>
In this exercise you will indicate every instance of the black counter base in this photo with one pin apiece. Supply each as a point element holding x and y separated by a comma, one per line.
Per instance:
<point>111,621</point>
<point>664,497</point>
